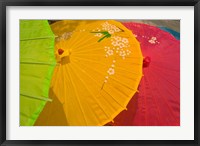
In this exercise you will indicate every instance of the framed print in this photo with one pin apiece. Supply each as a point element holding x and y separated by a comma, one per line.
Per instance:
<point>99,72</point>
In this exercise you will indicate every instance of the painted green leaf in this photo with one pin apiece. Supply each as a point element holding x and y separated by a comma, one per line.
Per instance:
<point>106,34</point>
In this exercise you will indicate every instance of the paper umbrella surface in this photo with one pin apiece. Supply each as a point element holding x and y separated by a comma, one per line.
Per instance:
<point>99,70</point>
<point>37,63</point>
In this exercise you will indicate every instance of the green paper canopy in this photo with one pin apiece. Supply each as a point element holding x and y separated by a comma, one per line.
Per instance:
<point>37,62</point>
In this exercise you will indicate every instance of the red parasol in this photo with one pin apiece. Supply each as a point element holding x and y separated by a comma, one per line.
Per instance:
<point>158,100</point>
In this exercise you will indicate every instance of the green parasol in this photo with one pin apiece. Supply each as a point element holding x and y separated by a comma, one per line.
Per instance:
<point>37,62</point>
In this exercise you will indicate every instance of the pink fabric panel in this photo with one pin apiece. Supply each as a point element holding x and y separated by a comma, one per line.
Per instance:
<point>158,100</point>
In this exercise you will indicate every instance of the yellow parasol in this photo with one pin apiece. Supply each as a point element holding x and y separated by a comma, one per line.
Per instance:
<point>100,67</point>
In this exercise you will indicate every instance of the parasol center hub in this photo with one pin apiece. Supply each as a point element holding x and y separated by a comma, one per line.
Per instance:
<point>64,53</point>
<point>63,56</point>
<point>146,61</point>
<point>60,51</point>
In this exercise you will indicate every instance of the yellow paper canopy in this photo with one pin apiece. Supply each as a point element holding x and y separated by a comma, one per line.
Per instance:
<point>100,67</point>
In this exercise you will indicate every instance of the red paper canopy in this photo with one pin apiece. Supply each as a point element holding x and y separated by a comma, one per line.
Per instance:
<point>158,100</point>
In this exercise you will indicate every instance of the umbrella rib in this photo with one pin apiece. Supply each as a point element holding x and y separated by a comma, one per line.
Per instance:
<point>114,99</point>
<point>92,93</point>
<point>75,91</point>
<point>166,56</point>
<point>102,55</point>
<point>122,84</point>
<point>154,100</point>
<point>127,77</point>
<point>123,69</point>
<point>145,102</point>
<point>81,47</point>
<point>160,94</point>
<point>120,68</point>
<point>171,111</point>
<point>131,62</point>
<point>157,66</point>
<point>88,76</point>
<point>104,75</point>
<point>38,63</point>
<point>55,82</point>
<point>81,44</point>
<point>83,51</point>
<point>92,77</point>
<point>37,38</point>
<point>36,97</point>
<point>121,91</point>
<point>54,79</point>
<point>93,55</point>
<point>111,78</point>
<point>92,38</point>
<point>153,96</point>
<point>165,72</point>
<point>98,62</point>
<point>89,60</point>
<point>168,80</point>
<point>65,86</point>
<point>28,117</point>
<point>34,36</point>
<point>75,39</point>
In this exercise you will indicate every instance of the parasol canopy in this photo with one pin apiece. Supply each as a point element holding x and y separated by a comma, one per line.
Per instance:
<point>37,62</point>
<point>100,67</point>
<point>158,102</point>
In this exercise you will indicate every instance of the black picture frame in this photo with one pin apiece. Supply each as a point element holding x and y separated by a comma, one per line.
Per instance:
<point>5,3</point>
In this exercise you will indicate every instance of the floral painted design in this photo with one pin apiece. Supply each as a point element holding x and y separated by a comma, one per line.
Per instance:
<point>106,31</point>
<point>118,45</point>
<point>110,71</point>
<point>105,34</point>
<point>153,40</point>
<point>110,28</point>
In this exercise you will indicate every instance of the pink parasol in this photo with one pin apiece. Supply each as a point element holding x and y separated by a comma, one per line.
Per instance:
<point>158,100</point>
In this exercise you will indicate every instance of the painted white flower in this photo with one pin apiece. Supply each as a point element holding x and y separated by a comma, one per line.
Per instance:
<point>152,41</point>
<point>110,52</point>
<point>111,71</point>
<point>153,38</point>
<point>111,31</point>
<point>125,40</point>
<point>118,38</point>
<point>116,29</point>
<point>122,53</point>
<point>121,45</point>
<point>114,43</point>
